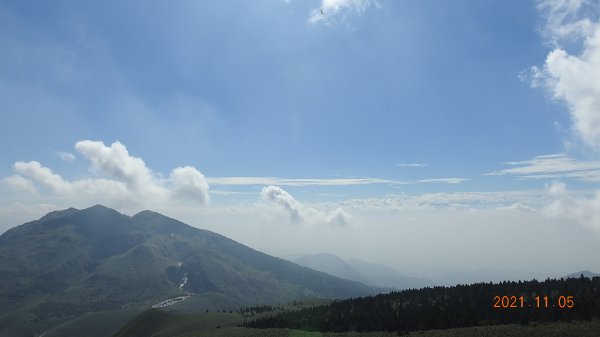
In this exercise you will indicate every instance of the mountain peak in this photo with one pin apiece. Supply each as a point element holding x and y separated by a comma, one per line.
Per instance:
<point>147,213</point>
<point>59,214</point>
<point>98,207</point>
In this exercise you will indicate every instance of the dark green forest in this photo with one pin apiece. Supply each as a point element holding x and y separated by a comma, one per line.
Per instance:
<point>573,299</point>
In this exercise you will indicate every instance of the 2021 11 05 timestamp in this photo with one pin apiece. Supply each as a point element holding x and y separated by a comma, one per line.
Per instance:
<point>511,302</point>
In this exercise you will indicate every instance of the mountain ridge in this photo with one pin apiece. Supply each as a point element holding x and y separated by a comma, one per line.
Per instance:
<point>73,261</point>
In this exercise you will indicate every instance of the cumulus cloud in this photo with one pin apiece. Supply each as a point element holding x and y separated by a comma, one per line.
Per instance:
<point>571,74</point>
<point>118,179</point>
<point>189,183</point>
<point>36,172</point>
<point>339,218</point>
<point>330,10</point>
<point>18,184</point>
<point>573,77</point>
<point>301,213</point>
<point>115,162</point>
<point>284,201</point>
<point>567,207</point>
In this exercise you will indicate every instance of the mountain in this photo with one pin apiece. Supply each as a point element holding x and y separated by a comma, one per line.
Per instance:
<point>333,265</point>
<point>360,271</point>
<point>72,262</point>
<point>384,276</point>
<point>585,273</point>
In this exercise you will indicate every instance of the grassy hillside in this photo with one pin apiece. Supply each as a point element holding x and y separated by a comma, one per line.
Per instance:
<point>157,323</point>
<point>99,324</point>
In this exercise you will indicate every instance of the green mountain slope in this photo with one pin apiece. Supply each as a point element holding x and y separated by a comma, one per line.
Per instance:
<point>72,262</point>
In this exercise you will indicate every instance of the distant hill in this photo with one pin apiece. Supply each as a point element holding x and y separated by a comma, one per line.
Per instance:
<point>384,276</point>
<point>72,262</point>
<point>585,273</point>
<point>333,265</point>
<point>357,270</point>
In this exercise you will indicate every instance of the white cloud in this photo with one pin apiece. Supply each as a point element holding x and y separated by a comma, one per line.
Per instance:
<point>568,207</point>
<point>571,207</point>
<point>115,162</point>
<point>571,73</point>
<point>295,181</point>
<point>109,191</point>
<point>332,9</point>
<point>451,181</point>
<point>552,167</point>
<point>339,218</point>
<point>189,183</point>
<point>573,77</point>
<point>411,165</point>
<point>36,172</point>
<point>567,19</point>
<point>518,206</point>
<point>324,182</point>
<point>66,156</point>
<point>119,180</point>
<point>18,184</point>
<point>284,201</point>
<point>445,201</point>
<point>301,213</point>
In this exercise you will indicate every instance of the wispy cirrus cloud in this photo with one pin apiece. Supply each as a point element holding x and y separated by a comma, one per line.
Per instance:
<point>411,165</point>
<point>334,10</point>
<point>451,181</point>
<point>324,181</point>
<point>553,166</point>
<point>66,156</point>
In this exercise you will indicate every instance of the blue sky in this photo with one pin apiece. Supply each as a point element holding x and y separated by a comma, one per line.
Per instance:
<point>425,101</point>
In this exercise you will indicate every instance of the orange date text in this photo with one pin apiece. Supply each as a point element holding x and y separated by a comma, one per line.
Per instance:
<point>508,302</point>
